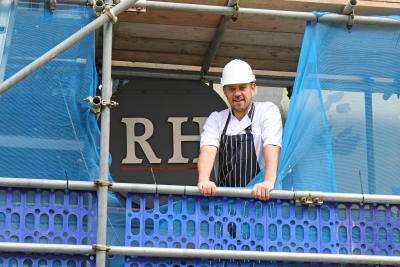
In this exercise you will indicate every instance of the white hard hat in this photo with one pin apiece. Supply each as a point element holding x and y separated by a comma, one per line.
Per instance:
<point>236,72</point>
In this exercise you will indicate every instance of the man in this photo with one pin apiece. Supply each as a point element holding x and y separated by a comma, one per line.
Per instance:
<point>247,137</point>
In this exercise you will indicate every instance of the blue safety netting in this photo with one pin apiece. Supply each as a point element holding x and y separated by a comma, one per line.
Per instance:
<point>343,126</point>
<point>48,131</point>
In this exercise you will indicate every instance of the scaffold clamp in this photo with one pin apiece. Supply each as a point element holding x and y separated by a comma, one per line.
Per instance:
<point>98,7</point>
<point>97,103</point>
<point>110,13</point>
<point>52,5</point>
<point>235,5</point>
<point>99,247</point>
<point>99,182</point>
<point>110,104</point>
<point>350,22</point>
<point>309,199</point>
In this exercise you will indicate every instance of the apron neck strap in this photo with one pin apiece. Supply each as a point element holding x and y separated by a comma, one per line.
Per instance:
<point>250,114</point>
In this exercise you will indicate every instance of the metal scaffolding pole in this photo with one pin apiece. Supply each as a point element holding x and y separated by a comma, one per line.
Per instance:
<point>85,31</point>
<point>103,184</point>
<point>47,184</point>
<point>72,2</point>
<point>246,193</point>
<point>369,134</point>
<point>253,255</point>
<point>212,51</point>
<point>193,190</point>
<point>229,11</point>
<point>46,248</point>
<point>216,42</point>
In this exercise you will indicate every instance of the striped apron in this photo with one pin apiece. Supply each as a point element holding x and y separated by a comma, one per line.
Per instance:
<point>237,157</point>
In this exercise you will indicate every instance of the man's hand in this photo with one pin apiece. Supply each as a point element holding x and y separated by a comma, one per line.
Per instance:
<point>261,190</point>
<point>207,188</point>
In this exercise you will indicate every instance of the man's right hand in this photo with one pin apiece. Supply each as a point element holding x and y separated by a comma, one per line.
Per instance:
<point>207,188</point>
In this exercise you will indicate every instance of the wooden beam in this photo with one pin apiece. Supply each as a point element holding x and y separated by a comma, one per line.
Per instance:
<point>195,60</point>
<point>201,34</point>
<point>200,48</point>
<point>216,71</point>
<point>211,21</point>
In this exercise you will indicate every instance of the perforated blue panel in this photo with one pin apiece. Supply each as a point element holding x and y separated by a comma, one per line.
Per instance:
<point>47,216</point>
<point>247,224</point>
<point>14,260</point>
<point>146,262</point>
<point>369,229</point>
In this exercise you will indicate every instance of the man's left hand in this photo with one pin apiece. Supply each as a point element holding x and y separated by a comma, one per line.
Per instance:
<point>262,190</point>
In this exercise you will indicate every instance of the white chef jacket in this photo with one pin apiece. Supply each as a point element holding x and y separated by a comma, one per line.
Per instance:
<point>266,128</point>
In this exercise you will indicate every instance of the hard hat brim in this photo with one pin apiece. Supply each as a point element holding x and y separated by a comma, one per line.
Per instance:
<point>238,81</point>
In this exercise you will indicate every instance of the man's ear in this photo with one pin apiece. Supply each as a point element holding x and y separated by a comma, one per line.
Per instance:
<point>224,90</point>
<point>253,88</point>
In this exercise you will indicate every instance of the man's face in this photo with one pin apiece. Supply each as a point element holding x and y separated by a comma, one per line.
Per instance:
<point>240,96</point>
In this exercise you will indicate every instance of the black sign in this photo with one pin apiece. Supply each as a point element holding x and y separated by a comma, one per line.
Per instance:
<point>155,131</point>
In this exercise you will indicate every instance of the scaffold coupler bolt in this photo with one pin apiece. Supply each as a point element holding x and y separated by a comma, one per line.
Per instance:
<point>235,5</point>
<point>309,199</point>
<point>98,7</point>
<point>97,103</point>
<point>52,5</point>
<point>99,247</point>
<point>99,182</point>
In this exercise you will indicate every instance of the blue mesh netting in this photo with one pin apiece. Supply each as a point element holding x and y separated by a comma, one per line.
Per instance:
<point>343,124</point>
<point>251,225</point>
<point>47,130</point>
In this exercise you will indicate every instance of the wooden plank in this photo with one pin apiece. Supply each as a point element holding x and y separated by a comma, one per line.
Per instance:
<point>390,1</point>
<point>282,39</point>
<point>171,18</point>
<point>214,70</point>
<point>195,60</point>
<point>160,45</point>
<point>166,31</point>
<point>206,34</point>
<point>201,48</point>
<point>256,23</point>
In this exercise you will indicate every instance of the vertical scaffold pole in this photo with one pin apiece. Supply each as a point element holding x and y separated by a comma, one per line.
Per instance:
<point>102,190</point>
<point>369,133</point>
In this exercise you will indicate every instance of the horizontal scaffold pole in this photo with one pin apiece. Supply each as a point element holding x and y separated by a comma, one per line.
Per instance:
<point>253,255</point>
<point>192,190</point>
<point>47,184</point>
<point>229,11</point>
<point>246,193</point>
<point>72,2</point>
<point>67,43</point>
<point>46,248</point>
